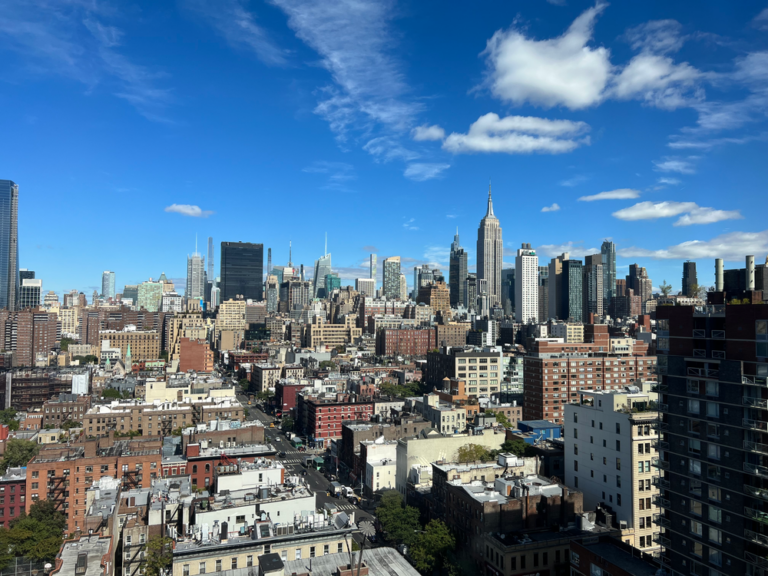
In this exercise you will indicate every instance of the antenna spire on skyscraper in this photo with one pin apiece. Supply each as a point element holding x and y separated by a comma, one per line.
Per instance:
<point>290,255</point>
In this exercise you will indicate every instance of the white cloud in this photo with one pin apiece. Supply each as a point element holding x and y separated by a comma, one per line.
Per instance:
<point>658,81</point>
<point>354,42</point>
<point>619,194</point>
<point>518,135</point>
<point>676,165</point>
<point>421,171</point>
<point>408,224</point>
<point>680,143</point>
<point>669,181</point>
<point>188,210</point>
<point>338,174</point>
<point>732,246</point>
<point>656,36</point>
<point>575,249</point>
<point>559,71</point>
<point>425,132</point>
<point>232,20</point>
<point>554,208</point>
<point>689,212</point>
<point>386,149</point>
<point>761,20</point>
<point>437,256</point>
<point>574,181</point>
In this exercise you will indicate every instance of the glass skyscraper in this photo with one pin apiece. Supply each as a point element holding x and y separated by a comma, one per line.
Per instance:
<point>572,291</point>
<point>608,253</point>
<point>322,269</point>
<point>9,244</point>
<point>242,270</point>
<point>108,284</point>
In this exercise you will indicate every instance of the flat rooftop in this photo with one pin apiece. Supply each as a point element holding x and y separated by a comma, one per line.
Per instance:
<point>623,559</point>
<point>83,556</point>
<point>380,562</point>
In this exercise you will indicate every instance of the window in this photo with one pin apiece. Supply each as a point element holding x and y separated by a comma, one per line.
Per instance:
<point>218,565</point>
<point>311,551</point>
<point>249,561</point>
<point>618,463</point>
<point>693,406</point>
<point>618,481</point>
<point>713,410</point>
<point>326,550</point>
<point>618,428</point>
<point>575,433</point>
<point>618,499</point>
<point>713,389</point>
<point>694,446</point>
<point>697,528</point>
<point>339,548</point>
<point>695,507</point>
<point>715,514</point>
<point>713,451</point>
<point>694,467</point>
<point>576,465</point>
<point>618,445</point>
<point>715,535</point>
<point>298,554</point>
<point>695,487</point>
<point>576,449</point>
<point>186,569</point>
<point>201,568</point>
<point>715,557</point>
<point>234,563</point>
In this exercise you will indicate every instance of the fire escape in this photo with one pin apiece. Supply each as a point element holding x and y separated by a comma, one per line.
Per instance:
<point>197,413</point>
<point>131,478</point>
<point>166,426</point>
<point>134,556</point>
<point>58,490</point>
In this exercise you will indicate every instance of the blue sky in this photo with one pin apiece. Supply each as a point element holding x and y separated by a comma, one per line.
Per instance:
<point>131,127</point>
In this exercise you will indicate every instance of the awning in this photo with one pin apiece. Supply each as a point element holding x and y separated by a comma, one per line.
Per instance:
<point>318,460</point>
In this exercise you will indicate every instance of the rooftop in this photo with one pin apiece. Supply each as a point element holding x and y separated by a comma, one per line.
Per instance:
<point>14,475</point>
<point>620,557</point>
<point>83,557</point>
<point>245,450</point>
<point>380,562</point>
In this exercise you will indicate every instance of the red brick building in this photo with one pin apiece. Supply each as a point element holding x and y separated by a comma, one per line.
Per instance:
<point>13,490</point>
<point>65,407</point>
<point>203,458</point>
<point>324,417</point>
<point>285,396</point>
<point>195,355</point>
<point>405,342</point>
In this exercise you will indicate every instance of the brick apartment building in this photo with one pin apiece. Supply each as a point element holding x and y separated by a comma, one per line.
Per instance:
<point>65,407</point>
<point>204,457</point>
<point>158,418</point>
<point>13,493</point>
<point>30,389</point>
<point>453,333</point>
<point>28,333</point>
<point>143,344</point>
<point>286,392</point>
<point>265,376</point>
<point>195,355</point>
<point>322,418</point>
<point>63,473</point>
<point>555,372</point>
<point>405,342</point>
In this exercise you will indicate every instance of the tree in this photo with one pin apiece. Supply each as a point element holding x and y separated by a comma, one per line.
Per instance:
<point>8,417</point>
<point>37,535</point>
<point>501,418</point>
<point>432,547</point>
<point>69,424</point>
<point>287,424</point>
<point>327,365</point>
<point>159,555</point>
<point>665,289</point>
<point>473,453</point>
<point>398,522</point>
<point>89,359</point>
<point>64,344</point>
<point>18,453</point>
<point>518,448</point>
<point>111,393</point>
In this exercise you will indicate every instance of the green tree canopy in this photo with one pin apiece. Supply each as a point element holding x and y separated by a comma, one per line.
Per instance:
<point>473,453</point>
<point>433,547</point>
<point>89,359</point>
<point>665,289</point>
<point>518,447</point>
<point>18,453</point>
<point>287,424</point>
<point>501,418</point>
<point>159,555</point>
<point>407,390</point>
<point>399,522</point>
<point>8,417</point>
<point>69,424</point>
<point>37,535</point>
<point>64,344</point>
<point>111,393</point>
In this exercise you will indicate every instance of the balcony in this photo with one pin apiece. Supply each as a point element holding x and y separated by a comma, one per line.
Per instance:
<point>760,425</point>
<point>660,426</point>
<point>713,311</point>
<point>660,482</point>
<point>755,380</point>
<point>754,402</point>
<point>663,407</point>
<point>756,492</point>
<point>698,333</point>
<point>755,447</point>
<point>756,537</point>
<point>660,520</point>
<point>718,334</point>
<point>756,515</point>
<point>657,500</point>
<point>660,445</point>
<point>718,354</point>
<point>699,353</point>
<point>756,470</point>
<point>662,540</point>
<point>660,464</point>
<point>756,560</point>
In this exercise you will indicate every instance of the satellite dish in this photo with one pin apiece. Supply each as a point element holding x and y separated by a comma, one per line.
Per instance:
<point>367,529</point>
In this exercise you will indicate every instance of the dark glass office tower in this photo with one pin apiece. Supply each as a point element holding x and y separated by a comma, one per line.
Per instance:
<point>690,280</point>
<point>242,270</point>
<point>713,462</point>
<point>457,272</point>
<point>9,244</point>
<point>572,294</point>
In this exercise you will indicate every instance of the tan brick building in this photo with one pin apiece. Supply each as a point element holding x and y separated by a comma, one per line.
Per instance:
<point>453,333</point>
<point>332,335</point>
<point>195,355</point>
<point>65,407</point>
<point>144,344</point>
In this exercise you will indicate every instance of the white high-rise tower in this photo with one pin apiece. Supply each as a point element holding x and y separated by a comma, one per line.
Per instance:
<point>526,285</point>
<point>490,250</point>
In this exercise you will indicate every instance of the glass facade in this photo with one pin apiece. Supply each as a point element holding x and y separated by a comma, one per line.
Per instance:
<point>572,290</point>
<point>608,253</point>
<point>9,244</point>
<point>242,270</point>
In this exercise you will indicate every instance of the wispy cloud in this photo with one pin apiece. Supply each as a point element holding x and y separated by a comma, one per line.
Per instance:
<point>679,142</point>
<point>232,20</point>
<point>338,174</point>
<point>188,210</point>
<point>427,132</point>
<point>575,249</point>
<point>732,246</point>
<point>518,135</point>
<point>424,171</point>
<point>554,208</point>
<point>450,216</point>
<point>408,224</point>
<point>437,255</point>
<point>668,181</point>
<point>388,148</point>
<point>72,39</point>
<point>370,248</point>
<point>620,194</point>
<point>679,165</point>
<point>354,42</point>
<point>761,20</point>
<point>574,180</point>
<point>689,212</point>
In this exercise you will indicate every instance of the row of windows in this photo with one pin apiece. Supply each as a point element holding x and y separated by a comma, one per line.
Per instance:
<point>233,563</point>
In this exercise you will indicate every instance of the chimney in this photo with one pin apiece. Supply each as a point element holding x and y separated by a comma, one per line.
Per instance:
<point>718,274</point>
<point>750,272</point>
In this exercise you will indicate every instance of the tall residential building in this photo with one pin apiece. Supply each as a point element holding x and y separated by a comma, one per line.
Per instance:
<point>508,297</point>
<point>713,464</point>
<point>638,280</point>
<point>322,269</point>
<point>25,274</point>
<point>195,288</point>
<point>273,293</point>
<point>610,441</point>
<point>242,271</point>
<point>211,267</point>
<point>130,292</point>
<point>572,291</point>
<point>543,293</point>
<point>690,281</point>
<point>592,286</point>
<point>490,250</point>
<point>108,285</point>
<point>30,293</point>
<point>526,285</point>
<point>391,283</point>
<point>608,253</point>
<point>470,292</point>
<point>403,287</point>
<point>366,286</point>
<point>372,270</point>
<point>556,286</point>
<point>9,244</point>
<point>457,271</point>
<point>150,296</point>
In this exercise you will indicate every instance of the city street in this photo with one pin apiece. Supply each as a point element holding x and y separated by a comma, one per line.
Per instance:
<point>316,481</point>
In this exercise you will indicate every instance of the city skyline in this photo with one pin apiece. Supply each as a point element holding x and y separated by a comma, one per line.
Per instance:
<point>645,160</point>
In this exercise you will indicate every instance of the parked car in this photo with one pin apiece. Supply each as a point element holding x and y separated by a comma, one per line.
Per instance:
<point>282,454</point>
<point>354,500</point>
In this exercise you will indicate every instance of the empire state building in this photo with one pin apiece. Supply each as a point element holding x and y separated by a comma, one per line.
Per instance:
<point>490,250</point>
